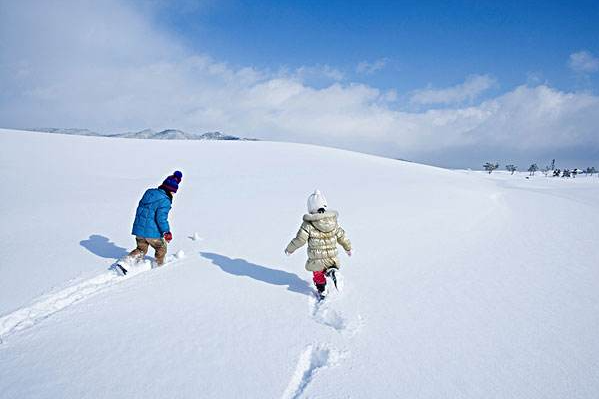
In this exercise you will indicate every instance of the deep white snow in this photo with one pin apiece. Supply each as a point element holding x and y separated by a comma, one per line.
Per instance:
<point>462,284</point>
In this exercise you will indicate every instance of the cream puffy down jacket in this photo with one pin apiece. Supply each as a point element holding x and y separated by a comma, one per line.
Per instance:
<point>322,232</point>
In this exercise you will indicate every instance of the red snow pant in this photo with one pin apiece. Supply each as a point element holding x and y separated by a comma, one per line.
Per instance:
<point>319,278</point>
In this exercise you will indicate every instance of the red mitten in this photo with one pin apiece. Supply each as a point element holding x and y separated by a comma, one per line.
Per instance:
<point>168,237</point>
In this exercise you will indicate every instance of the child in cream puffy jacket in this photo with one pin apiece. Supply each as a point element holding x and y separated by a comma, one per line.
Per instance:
<point>322,232</point>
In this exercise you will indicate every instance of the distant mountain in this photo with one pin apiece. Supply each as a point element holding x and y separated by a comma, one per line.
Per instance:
<point>168,134</point>
<point>67,131</point>
<point>219,136</point>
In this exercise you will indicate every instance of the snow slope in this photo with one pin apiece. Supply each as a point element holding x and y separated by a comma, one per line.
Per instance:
<point>461,284</point>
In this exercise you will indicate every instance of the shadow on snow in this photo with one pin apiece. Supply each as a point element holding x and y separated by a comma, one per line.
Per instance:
<point>103,247</point>
<point>271,276</point>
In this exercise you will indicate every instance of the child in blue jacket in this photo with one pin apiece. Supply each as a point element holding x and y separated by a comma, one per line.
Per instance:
<point>151,227</point>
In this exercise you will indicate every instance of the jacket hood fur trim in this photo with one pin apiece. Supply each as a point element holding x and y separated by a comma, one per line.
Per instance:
<point>324,222</point>
<point>319,216</point>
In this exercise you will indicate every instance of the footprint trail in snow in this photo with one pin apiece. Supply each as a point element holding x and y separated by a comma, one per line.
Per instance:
<point>323,313</point>
<point>326,313</point>
<point>314,358</point>
<point>49,304</point>
<point>319,356</point>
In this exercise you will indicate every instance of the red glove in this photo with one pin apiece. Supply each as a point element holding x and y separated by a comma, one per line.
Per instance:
<point>168,237</point>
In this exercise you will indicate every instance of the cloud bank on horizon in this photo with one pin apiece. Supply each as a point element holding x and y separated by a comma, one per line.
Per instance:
<point>106,67</point>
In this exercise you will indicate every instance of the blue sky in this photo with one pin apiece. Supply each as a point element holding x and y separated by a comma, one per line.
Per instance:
<point>422,42</point>
<point>449,83</point>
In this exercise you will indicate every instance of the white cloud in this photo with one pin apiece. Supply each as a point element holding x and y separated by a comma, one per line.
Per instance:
<point>583,62</point>
<point>473,87</point>
<point>305,73</point>
<point>369,68</point>
<point>537,118</point>
<point>100,65</point>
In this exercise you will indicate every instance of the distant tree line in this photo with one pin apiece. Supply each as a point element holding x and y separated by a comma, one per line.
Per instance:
<point>490,167</point>
<point>547,170</point>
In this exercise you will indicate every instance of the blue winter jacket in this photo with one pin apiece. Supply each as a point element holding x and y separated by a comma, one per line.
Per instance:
<point>151,215</point>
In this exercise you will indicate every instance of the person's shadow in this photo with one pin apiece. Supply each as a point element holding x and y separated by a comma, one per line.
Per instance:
<point>271,276</point>
<point>103,247</point>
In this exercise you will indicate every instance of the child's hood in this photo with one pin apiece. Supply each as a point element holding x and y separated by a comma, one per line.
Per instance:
<point>152,196</point>
<point>324,222</point>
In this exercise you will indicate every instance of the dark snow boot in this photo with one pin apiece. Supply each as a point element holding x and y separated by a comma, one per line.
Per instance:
<point>321,287</point>
<point>119,268</point>
<point>330,273</point>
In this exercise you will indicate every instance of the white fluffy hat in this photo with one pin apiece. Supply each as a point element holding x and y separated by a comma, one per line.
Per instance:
<point>316,201</point>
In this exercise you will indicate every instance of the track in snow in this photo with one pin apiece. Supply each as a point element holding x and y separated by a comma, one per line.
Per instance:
<point>318,356</point>
<point>325,313</point>
<point>49,304</point>
<point>314,358</point>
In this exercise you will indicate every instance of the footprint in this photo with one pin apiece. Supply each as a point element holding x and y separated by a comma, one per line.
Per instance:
<point>313,358</point>
<point>324,314</point>
<point>195,237</point>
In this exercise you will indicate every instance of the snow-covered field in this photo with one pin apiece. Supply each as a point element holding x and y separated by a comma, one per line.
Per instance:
<point>462,284</point>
